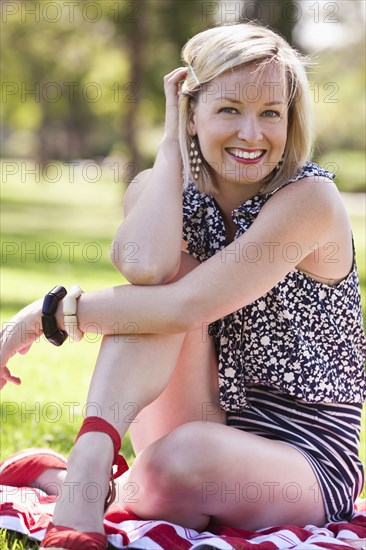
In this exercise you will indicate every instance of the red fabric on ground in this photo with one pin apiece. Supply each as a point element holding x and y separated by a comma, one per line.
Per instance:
<point>29,511</point>
<point>21,469</point>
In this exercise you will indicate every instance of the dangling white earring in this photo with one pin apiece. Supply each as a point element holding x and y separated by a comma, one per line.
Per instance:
<point>195,159</point>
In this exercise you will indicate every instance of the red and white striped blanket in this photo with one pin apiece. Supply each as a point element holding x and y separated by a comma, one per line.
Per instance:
<point>28,511</point>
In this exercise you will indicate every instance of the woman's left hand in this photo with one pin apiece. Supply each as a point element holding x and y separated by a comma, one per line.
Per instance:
<point>17,336</point>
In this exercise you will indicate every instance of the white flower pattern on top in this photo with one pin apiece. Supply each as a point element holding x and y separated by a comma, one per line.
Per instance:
<point>303,337</point>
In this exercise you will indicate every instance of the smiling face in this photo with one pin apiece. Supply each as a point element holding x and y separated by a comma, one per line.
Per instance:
<point>240,119</point>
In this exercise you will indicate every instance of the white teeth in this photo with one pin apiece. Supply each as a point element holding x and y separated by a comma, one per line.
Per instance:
<point>245,154</point>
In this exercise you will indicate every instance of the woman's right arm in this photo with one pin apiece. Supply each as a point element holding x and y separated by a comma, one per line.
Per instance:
<point>152,228</point>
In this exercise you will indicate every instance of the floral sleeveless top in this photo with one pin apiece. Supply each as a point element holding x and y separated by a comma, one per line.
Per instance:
<point>303,337</point>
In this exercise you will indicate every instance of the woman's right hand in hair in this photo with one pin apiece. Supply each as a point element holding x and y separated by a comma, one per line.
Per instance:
<point>17,336</point>
<point>172,91</point>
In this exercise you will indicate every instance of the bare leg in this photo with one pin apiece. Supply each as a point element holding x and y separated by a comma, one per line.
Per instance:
<point>193,389</point>
<point>207,471</point>
<point>50,481</point>
<point>128,376</point>
<point>191,394</point>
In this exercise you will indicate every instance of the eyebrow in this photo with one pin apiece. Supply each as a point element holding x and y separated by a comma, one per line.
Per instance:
<point>276,103</point>
<point>235,100</point>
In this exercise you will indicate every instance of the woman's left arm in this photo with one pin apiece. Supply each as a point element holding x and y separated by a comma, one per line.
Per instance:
<point>304,213</point>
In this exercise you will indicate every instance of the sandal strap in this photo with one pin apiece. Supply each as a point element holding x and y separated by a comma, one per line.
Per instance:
<point>97,424</point>
<point>58,536</point>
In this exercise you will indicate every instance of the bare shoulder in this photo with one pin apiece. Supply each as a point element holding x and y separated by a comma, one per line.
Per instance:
<point>312,197</point>
<point>312,189</point>
<point>135,189</point>
<point>306,211</point>
<point>311,212</point>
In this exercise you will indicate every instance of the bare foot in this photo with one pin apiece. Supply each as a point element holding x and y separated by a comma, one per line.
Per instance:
<point>50,481</point>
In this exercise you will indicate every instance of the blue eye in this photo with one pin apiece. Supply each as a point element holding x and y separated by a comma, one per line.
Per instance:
<point>271,114</point>
<point>229,110</point>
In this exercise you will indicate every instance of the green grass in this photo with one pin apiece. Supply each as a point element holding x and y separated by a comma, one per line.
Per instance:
<point>349,168</point>
<point>14,541</point>
<point>52,233</point>
<point>38,223</point>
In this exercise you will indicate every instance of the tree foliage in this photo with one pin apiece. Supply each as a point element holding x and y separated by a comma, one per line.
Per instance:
<point>85,79</point>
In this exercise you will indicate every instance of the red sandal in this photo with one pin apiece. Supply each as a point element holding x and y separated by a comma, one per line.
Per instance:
<point>96,424</point>
<point>64,538</point>
<point>23,468</point>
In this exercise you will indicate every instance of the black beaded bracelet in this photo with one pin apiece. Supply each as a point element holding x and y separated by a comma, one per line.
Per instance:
<point>50,329</point>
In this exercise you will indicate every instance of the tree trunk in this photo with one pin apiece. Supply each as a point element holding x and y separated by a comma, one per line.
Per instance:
<point>136,34</point>
<point>280,16</point>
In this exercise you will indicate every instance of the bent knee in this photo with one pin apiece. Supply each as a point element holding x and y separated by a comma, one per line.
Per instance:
<point>175,463</point>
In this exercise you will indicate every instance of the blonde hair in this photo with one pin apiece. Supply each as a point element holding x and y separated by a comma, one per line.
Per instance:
<point>218,50</point>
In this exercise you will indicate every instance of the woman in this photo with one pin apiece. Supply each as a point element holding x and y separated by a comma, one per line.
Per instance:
<point>267,268</point>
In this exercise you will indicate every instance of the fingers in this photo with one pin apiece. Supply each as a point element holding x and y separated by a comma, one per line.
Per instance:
<point>17,336</point>
<point>176,75</point>
<point>15,380</point>
<point>5,374</point>
<point>6,377</point>
<point>171,84</point>
<point>24,350</point>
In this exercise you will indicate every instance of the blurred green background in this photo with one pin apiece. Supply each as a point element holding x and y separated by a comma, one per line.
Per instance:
<point>83,80</point>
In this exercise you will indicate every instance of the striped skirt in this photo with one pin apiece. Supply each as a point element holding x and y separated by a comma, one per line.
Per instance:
<point>327,434</point>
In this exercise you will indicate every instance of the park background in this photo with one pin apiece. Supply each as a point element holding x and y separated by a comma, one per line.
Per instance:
<point>82,111</point>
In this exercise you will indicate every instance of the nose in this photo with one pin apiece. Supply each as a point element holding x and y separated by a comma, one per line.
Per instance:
<point>249,129</point>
